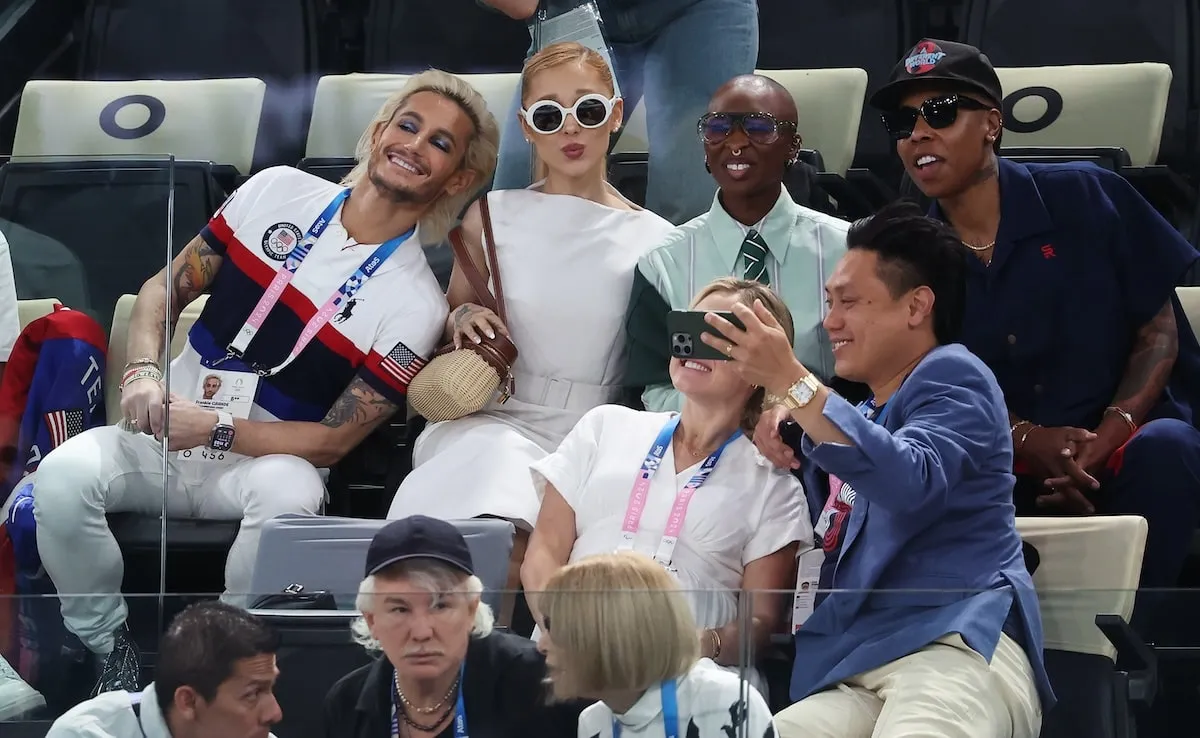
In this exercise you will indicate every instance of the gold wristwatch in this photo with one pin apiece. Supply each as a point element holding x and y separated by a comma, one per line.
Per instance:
<point>802,392</point>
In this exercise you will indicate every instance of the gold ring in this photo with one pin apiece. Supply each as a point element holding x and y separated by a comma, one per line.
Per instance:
<point>729,350</point>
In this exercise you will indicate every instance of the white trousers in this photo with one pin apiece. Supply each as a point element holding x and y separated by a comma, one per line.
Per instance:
<point>107,470</point>
<point>945,690</point>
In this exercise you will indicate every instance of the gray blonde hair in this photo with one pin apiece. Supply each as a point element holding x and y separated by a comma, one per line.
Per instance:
<point>621,622</point>
<point>427,575</point>
<point>480,157</point>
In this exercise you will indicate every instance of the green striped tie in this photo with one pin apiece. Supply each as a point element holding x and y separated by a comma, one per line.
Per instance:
<point>754,256</point>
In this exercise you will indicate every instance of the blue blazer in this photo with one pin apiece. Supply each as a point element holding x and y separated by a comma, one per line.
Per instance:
<point>931,545</point>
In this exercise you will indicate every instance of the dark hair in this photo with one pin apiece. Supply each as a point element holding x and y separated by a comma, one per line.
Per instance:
<point>917,251</point>
<point>201,647</point>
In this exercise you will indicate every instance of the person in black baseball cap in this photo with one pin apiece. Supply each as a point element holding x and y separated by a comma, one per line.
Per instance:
<point>1070,301</point>
<point>445,671</point>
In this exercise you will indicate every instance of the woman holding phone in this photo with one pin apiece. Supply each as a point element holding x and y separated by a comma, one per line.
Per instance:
<point>688,489</point>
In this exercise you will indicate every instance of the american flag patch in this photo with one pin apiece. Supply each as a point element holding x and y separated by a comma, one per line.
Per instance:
<point>63,424</point>
<point>402,364</point>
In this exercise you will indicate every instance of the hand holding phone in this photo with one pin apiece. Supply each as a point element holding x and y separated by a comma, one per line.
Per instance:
<point>685,327</point>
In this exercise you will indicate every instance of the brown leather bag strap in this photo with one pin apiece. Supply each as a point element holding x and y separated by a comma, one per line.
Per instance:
<point>462,257</point>
<point>490,243</point>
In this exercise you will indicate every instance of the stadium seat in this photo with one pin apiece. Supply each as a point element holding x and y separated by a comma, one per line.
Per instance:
<point>91,172</point>
<point>1035,33</point>
<point>327,553</point>
<point>1189,299</point>
<point>866,34</point>
<point>30,310</point>
<point>204,39</point>
<point>460,36</point>
<point>1086,582</point>
<point>1087,106</point>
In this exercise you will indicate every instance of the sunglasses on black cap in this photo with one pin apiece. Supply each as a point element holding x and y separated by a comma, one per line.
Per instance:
<point>938,112</point>
<point>761,128</point>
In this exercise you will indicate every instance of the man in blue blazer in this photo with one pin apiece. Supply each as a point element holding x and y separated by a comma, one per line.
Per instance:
<point>927,622</point>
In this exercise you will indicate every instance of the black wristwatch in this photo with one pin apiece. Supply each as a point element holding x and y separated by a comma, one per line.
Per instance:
<point>222,433</point>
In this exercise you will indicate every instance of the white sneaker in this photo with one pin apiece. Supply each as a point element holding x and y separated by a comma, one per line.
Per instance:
<point>16,697</point>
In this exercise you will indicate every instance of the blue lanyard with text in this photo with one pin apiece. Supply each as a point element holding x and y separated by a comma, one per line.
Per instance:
<point>460,711</point>
<point>670,707</point>
<point>283,277</point>
<point>641,491</point>
<point>874,413</point>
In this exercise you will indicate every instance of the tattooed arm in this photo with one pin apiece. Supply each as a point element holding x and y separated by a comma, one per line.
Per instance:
<point>1150,364</point>
<point>354,415</point>
<point>191,272</point>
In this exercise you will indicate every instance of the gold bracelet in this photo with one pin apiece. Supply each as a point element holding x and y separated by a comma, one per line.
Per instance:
<point>1021,443</point>
<point>715,637</point>
<point>1127,417</point>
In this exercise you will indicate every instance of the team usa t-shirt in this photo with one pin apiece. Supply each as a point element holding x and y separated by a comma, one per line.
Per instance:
<point>383,335</point>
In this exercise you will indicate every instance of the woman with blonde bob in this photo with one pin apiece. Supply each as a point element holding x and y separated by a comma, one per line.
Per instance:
<point>444,672</point>
<point>616,628</point>
<point>687,488</point>
<point>567,249</point>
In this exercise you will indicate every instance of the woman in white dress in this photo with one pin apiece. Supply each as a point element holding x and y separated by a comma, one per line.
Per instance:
<point>567,249</point>
<point>740,526</point>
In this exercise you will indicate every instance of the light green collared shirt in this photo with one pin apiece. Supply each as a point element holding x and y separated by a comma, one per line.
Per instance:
<point>803,247</point>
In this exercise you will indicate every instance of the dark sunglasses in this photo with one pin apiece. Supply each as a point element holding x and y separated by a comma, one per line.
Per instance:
<point>761,128</point>
<point>938,112</point>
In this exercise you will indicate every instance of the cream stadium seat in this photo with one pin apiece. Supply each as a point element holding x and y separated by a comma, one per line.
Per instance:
<point>1086,582</point>
<point>1088,106</point>
<point>212,120</point>
<point>1189,299</point>
<point>30,310</point>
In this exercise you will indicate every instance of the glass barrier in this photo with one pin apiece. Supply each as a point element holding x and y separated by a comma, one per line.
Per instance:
<point>615,646</point>
<point>85,234</point>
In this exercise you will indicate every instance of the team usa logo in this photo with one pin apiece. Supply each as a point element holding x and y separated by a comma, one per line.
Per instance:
<point>279,240</point>
<point>923,58</point>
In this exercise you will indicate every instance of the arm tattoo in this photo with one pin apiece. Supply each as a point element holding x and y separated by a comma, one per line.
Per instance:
<point>359,405</point>
<point>195,274</point>
<point>1150,364</point>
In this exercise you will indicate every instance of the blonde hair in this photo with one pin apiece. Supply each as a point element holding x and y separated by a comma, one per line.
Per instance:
<point>560,54</point>
<point>481,151</point>
<point>426,575</point>
<point>621,622</point>
<point>557,55</point>
<point>746,292</point>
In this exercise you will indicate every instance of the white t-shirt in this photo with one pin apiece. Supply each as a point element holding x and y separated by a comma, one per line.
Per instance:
<point>746,510</point>
<point>111,715</point>
<point>10,322</point>
<point>388,329</point>
<point>712,703</point>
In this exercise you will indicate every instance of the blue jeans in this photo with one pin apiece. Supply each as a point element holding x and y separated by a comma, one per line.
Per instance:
<point>674,54</point>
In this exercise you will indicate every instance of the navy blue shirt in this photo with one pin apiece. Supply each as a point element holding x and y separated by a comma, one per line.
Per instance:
<point>1081,262</point>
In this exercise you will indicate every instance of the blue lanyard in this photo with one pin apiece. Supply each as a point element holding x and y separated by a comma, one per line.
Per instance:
<point>283,277</point>
<point>460,711</point>
<point>873,412</point>
<point>641,488</point>
<point>670,707</point>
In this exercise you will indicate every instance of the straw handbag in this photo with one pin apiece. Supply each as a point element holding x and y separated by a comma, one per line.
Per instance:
<point>458,382</point>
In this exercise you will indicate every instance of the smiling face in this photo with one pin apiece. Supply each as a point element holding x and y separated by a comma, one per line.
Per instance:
<point>869,327</point>
<point>707,381</point>
<point>417,156</point>
<point>743,167</point>
<point>573,149</point>
<point>945,161</point>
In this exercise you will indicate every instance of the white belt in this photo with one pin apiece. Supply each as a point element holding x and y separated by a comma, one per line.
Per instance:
<point>562,393</point>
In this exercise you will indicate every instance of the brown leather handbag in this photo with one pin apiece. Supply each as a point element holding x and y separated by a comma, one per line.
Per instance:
<point>458,382</point>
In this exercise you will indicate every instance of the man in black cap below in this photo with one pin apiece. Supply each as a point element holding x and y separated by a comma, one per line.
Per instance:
<point>444,671</point>
<point>1071,303</point>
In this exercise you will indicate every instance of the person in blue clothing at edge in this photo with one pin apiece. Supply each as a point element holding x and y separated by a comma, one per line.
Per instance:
<point>1071,303</point>
<point>927,621</point>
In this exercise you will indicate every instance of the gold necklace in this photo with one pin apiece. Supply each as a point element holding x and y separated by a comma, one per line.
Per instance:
<point>425,710</point>
<point>975,248</point>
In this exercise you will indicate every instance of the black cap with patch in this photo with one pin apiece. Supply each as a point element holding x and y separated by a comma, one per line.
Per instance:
<point>931,60</point>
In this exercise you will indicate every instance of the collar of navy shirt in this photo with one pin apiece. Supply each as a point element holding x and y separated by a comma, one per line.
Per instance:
<point>1023,214</point>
